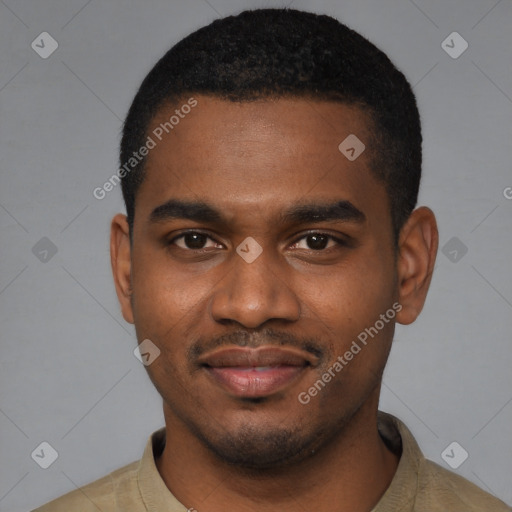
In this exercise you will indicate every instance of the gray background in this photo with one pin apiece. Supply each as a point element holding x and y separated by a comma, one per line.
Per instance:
<point>68,374</point>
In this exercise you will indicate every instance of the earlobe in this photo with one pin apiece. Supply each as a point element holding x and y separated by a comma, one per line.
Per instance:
<point>120,258</point>
<point>418,244</point>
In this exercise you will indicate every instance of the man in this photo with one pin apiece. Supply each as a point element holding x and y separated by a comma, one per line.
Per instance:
<point>270,165</point>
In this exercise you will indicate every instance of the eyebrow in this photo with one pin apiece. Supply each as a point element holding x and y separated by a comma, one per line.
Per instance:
<point>199,211</point>
<point>342,210</point>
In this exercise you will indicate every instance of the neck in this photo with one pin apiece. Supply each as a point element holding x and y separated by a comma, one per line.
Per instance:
<point>351,474</point>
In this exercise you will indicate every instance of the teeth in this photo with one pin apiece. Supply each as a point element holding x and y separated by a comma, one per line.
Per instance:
<point>257,368</point>
<point>252,368</point>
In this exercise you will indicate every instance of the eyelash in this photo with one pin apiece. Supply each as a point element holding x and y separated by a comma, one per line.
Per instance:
<point>340,242</point>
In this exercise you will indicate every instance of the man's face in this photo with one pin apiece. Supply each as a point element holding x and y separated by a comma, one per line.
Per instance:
<point>217,313</point>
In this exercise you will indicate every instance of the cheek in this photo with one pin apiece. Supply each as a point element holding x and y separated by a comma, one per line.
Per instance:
<point>347,306</point>
<point>163,297</point>
<point>352,294</point>
<point>374,281</point>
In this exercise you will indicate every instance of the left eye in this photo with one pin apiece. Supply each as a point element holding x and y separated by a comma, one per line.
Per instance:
<point>318,241</point>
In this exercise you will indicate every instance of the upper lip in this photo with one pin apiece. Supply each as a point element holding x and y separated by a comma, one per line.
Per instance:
<point>253,357</point>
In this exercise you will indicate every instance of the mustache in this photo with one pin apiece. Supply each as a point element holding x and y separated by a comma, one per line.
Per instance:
<point>255,339</point>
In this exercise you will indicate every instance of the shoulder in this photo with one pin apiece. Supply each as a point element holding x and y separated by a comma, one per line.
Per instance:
<point>440,489</point>
<point>421,485</point>
<point>102,494</point>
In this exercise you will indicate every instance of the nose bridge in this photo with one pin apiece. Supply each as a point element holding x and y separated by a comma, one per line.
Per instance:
<point>253,291</point>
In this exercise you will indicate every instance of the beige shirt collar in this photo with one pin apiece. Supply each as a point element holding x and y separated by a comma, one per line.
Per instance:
<point>155,494</point>
<point>401,493</point>
<point>399,497</point>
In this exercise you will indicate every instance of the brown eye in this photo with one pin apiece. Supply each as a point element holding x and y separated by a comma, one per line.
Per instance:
<point>318,242</point>
<point>192,240</point>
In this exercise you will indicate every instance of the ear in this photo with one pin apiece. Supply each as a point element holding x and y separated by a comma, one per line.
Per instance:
<point>417,248</point>
<point>120,257</point>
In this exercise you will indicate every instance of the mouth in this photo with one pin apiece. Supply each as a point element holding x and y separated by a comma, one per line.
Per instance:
<point>256,373</point>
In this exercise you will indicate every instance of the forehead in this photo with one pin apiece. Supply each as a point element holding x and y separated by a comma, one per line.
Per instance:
<point>260,152</point>
<point>233,125</point>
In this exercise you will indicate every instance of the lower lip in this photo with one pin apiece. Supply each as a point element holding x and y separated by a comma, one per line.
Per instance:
<point>252,383</point>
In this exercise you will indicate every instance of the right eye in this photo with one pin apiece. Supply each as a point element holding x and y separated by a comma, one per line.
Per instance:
<point>192,241</point>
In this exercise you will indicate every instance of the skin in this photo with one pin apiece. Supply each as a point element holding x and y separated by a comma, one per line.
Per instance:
<point>252,161</point>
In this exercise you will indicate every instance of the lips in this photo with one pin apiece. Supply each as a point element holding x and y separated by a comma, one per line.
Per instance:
<point>254,373</point>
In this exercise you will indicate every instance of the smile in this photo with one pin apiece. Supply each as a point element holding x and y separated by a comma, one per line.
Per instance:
<point>255,373</point>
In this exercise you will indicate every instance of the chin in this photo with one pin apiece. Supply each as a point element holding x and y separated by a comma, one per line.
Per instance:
<point>252,447</point>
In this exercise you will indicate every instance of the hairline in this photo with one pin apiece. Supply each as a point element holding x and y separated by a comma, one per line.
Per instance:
<point>375,133</point>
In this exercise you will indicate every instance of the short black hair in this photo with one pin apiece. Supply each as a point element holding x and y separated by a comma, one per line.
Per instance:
<point>274,53</point>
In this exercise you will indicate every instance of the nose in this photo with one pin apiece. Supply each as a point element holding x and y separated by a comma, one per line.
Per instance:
<point>254,293</point>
